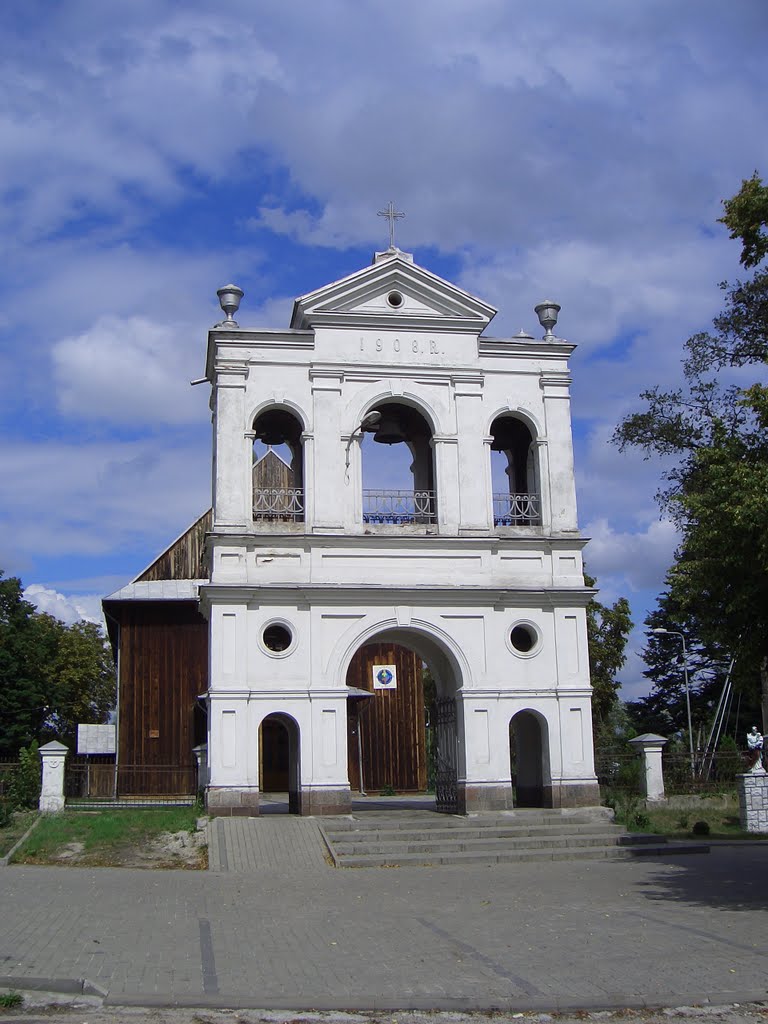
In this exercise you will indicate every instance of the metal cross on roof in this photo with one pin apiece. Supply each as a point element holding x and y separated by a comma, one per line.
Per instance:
<point>392,215</point>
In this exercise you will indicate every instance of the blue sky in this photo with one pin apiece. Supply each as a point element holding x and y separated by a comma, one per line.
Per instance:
<point>153,151</point>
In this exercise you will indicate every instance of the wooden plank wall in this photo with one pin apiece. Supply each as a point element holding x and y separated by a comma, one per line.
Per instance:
<point>185,558</point>
<point>163,669</point>
<point>391,722</point>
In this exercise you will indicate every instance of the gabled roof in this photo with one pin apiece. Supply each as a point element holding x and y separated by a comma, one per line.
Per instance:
<point>369,298</point>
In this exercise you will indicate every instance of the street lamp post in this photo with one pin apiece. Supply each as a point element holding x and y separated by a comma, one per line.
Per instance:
<point>660,631</point>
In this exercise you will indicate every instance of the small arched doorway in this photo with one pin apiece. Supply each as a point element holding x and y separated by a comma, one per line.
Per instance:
<point>528,752</point>
<point>279,758</point>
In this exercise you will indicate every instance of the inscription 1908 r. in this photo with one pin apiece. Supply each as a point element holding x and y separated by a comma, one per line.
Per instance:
<point>408,346</point>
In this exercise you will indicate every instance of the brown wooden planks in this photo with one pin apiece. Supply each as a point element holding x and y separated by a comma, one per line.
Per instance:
<point>391,722</point>
<point>163,669</point>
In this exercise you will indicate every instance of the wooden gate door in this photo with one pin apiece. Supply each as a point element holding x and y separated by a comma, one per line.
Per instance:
<point>391,722</point>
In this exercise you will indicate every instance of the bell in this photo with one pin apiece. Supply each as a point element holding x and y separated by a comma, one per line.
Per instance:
<point>275,427</point>
<point>389,431</point>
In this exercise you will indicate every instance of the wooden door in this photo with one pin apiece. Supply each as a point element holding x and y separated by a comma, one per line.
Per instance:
<point>391,722</point>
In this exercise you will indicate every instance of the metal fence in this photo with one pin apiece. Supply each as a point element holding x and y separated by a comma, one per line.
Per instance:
<point>623,771</point>
<point>99,781</point>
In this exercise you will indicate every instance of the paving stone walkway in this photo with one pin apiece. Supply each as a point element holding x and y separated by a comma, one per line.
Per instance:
<point>252,844</point>
<point>554,936</point>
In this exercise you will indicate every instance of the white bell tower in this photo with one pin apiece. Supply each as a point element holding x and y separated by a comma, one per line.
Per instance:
<point>475,565</point>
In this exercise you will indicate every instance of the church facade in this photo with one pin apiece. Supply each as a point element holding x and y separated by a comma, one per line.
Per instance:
<point>473,567</point>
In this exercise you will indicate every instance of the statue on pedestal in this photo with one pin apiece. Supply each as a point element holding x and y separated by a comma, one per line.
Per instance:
<point>755,746</point>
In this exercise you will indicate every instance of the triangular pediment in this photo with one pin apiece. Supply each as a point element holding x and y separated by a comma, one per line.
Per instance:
<point>393,292</point>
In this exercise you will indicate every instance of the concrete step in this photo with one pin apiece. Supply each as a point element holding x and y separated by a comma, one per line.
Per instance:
<point>491,844</point>
<point>364,835</point>
<point>418,838</point>
<point>423,822</point>
<point>608,852</point>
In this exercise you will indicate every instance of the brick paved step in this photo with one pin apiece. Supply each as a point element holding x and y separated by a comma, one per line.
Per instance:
<point>511,856</point>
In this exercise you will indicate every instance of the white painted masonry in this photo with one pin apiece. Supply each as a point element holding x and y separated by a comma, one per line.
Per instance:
<point>450,587</point>
<point>53,756</point>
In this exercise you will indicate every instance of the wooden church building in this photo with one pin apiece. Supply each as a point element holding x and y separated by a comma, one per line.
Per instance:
<point>326,630</point>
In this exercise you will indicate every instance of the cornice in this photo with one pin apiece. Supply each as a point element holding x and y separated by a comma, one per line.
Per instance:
<point>363,595</point>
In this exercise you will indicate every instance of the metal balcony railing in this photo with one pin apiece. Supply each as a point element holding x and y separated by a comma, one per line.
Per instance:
<point>399,507</point>
<point>517,510</point>
<point>279,504</point>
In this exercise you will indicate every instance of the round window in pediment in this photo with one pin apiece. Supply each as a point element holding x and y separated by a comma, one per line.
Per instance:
<point>395,299</point>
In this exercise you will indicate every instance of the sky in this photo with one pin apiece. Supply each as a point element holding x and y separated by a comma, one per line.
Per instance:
<point>153,151</point>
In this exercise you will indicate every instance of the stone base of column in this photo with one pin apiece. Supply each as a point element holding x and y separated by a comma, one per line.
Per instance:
<point>572,794</point>
<point>51,804</point>
<point>478,796</point>
<point>753,801</point>
<point>227,801</point>
<point>324,801</point>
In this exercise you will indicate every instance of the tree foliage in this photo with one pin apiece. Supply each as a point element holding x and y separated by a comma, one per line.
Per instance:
<point>717,492</point>
<point>52,676</point>
<point>608,629</point>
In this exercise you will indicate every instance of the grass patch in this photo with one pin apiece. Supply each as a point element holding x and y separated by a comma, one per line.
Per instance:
<point>17,825</point>
<point>679,822</point>
<point>10,1000</point>
<point>119,837</point>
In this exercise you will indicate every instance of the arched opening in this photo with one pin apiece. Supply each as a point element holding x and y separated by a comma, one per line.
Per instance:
<point>279,759</point>
<point>514,474</point>
<point>402,719</point>
<point>278,468</point>
<point>528,752</point>
<point>398,467</point>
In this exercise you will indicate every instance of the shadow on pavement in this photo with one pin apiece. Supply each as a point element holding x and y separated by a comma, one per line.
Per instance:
<point>729,878</point>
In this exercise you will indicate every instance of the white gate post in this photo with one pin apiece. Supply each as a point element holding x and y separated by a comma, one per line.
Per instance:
<point>53,755</point>
<point>651,746</point>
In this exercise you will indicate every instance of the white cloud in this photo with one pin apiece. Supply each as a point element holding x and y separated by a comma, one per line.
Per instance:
<point>639,558</point>
<point>69,609</point>
<point>130,370</point>
<point>107,496</point>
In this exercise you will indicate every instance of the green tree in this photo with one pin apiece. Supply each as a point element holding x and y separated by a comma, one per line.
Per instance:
<point>608,629</point>
<point>717,492</point>
<point>52,676</point>
<point>25,650</point>
<point>81,680</point>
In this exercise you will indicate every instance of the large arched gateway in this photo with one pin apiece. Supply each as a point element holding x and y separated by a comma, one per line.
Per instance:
<point>403,728</point>
<point>392,488</point>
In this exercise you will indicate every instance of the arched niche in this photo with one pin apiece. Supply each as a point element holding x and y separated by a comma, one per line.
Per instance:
<point>514,473</point>
<point>278,467</point>
<point>398,472</point>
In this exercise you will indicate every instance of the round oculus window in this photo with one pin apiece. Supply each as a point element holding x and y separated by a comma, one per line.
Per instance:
<point>523,639</point>
<point>277,638</point>
<point>395,299</point>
